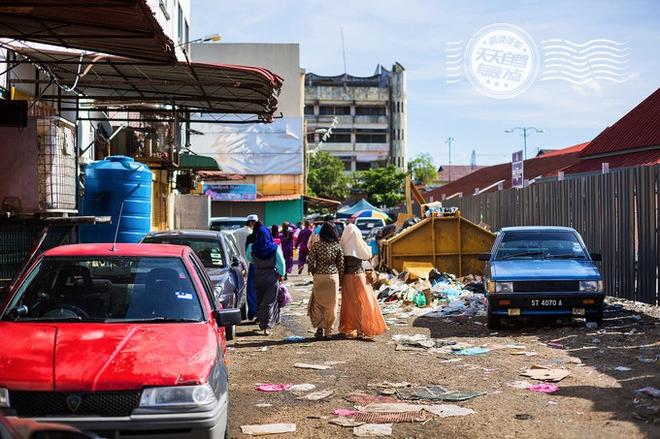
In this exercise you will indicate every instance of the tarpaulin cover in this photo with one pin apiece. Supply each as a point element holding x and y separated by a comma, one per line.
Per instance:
<point>253,149</point>
<point>346,212</point>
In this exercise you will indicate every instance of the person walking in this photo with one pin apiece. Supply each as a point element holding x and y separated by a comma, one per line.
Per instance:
<point>242,236</point>
<point>302,244</point>
<point>286,239</point>
<point>275,233</point>
<point>268,261</point>
<point>326,264</point>
<point>360,314</point>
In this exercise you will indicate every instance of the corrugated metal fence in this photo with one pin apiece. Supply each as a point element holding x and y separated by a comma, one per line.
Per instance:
<point>617,214</point>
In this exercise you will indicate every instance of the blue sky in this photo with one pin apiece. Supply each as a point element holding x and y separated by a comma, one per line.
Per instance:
<point>415,33</point>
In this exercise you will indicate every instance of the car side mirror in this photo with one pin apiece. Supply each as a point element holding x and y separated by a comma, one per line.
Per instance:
<point>484,256</point>
<point>228,317</point>
<point>596,257</point>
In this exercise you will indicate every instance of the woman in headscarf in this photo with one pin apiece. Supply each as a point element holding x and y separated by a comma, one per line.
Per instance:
<point>275,233</point>
<point>268,261</point>
<point>360,313</point>
<point>326,264</point>
<point>286,238</point>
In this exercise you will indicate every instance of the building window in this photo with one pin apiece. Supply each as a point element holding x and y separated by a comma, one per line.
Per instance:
<point>362,166</point>
<point>370,111</point>
<point>340,135</point>
<point>401,135</point>
<point>309,110</point>
<point>371,136</point>
<point>310,138</point>
<point>334,110</point>
<point>180,24</point>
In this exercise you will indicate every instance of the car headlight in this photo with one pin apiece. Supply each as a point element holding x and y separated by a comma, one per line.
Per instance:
<point>504,287</point>
<point>177,397</point>
<point>591,286</point>
<point>4,397</point>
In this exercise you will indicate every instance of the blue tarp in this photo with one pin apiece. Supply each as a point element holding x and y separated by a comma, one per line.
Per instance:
<point>347,211</point>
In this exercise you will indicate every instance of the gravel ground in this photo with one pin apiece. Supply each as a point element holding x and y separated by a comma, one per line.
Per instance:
<point>595,400</point>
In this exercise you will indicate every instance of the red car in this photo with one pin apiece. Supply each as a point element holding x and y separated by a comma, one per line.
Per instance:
<point>124,341</point>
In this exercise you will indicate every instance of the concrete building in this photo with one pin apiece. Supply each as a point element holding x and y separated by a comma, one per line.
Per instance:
<point>368,117</point>
<point>269,156</point>
<point>174,17</point>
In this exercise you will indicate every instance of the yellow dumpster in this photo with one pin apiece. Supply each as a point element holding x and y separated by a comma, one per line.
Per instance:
<point>450,243</point>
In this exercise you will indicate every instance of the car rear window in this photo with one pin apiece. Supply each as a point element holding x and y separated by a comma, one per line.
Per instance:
<point>107,289</point>
<point>208,250</point>
<point>226,225</point>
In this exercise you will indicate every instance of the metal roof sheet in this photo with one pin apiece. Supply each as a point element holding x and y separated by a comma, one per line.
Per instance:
<point>642,158</point>
<point>120,27</point>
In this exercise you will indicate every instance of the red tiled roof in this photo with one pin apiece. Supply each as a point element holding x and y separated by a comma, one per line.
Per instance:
<point>642,158</point>
<point>552,152</point>
<point>457,171</point>
<point>639,128</point>
<point>483,178</point>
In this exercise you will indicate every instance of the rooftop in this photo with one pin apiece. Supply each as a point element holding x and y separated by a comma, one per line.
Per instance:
<point>380,78</point>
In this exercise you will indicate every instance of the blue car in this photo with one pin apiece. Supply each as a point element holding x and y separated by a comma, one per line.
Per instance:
<point>542,271</point>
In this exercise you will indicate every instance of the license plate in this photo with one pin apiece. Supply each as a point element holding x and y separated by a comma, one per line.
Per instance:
<point>513,311</point>
<point>545,303</point>
<point>578,311</point>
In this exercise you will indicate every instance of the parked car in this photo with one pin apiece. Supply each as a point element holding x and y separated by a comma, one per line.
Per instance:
<point>122,340</point>
<point>12,427</point>
<point>542,271</point>
<point>222,261</point>
<point>367,224</point>
<point>227,223</point>
<point>339,225</point>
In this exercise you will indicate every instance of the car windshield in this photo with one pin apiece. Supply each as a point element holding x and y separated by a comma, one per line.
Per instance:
<point>106,290</point>
<point>227,225</point>
<point>556,244</point>
<point>207,249</point>
<point>368,224</point>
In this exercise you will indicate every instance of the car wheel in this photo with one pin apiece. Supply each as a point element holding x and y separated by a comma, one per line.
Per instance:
<point>230,332</point>
<point>244,311</point>
<point>597,319</point>
<point>493,321</point>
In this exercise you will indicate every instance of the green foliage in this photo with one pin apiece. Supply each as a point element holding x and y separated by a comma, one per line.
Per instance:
<point>326,178</point>
<point>422,168</point>
<point>382,186</point>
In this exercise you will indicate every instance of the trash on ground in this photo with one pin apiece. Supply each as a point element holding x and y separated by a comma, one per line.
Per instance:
<point>473,350</point>
<point>263,405</point>
<point>273,387</point>
<point>363,398</point>
<point>389,407</point>
<point>436,393</point>
<point>523,417</point>
<point>386,418</point>
<point>263,429</point>
<point>448,410</point>
<point>650,391</point>
<point>367,430</point>
<point>543,373</point>
<point>343,421</point>
<point>544,388</point>
<point>302,388</point>
<point>312,366</point>
<point>294,338</point>
<point>519,384</point>
<point>623,368</point>
<point>344,412</point>
<point>317,396</point>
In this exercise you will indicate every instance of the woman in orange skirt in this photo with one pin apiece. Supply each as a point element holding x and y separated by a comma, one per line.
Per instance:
<point>360,313</point>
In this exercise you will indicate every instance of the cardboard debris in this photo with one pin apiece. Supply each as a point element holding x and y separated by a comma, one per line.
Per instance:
<point>317,396</point>
<point>263,429</point>
<point>368,430</point>
<point>312,366</point>
<point>543,373</point>
<point>343,421</point>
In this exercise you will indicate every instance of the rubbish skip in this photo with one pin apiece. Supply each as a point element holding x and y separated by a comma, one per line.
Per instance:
<point>263,429</point>
<point>544,388</point>
<point>373,430</point>
<point>543,373</point>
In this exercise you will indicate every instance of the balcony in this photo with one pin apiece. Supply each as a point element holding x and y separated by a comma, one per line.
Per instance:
<point>373,147</point>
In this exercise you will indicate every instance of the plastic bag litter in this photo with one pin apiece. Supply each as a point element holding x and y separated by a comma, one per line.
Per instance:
<point>472,350</point>
<point>544,388</point>
<point>268,388</point>
<point>650,391</point>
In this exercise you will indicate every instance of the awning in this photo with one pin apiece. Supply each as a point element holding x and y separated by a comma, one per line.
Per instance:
<point>197,162</point>
<point>120,27</point>
<point>321,202</point>
<point>121,83</point>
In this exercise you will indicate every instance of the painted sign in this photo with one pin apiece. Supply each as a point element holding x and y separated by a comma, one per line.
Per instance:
<point>517,174</point>
<point>230,192</point>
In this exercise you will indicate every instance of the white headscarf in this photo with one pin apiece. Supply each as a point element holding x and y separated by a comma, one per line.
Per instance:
<point>353,244</point>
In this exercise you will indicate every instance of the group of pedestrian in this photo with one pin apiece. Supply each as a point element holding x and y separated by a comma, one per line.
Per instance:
<point>333,264</point>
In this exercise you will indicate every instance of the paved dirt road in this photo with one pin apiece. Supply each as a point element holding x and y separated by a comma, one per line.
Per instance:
<point>596,400</point>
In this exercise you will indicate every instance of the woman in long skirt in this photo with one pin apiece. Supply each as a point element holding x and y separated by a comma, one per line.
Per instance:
<point>286,238</point>
<point>268,261</point>
<point>360,313</point>
<point>326,264</point>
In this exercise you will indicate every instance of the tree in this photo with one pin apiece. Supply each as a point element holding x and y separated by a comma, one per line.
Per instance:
<point>326,178</point>
<point>422,169</point>
<point>382,186</point>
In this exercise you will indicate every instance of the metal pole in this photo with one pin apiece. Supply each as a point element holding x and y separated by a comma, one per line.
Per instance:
<point>525,142</point>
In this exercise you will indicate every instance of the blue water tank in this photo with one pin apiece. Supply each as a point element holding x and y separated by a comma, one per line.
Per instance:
<point>110,183</point>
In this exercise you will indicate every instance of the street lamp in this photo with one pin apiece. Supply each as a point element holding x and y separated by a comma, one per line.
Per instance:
<point>524,134</point>
<point>448,142</point>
